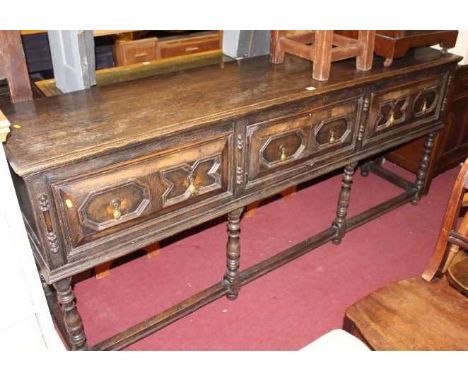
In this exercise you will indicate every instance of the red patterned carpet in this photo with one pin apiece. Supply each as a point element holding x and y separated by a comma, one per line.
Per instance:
<point>288,308</point>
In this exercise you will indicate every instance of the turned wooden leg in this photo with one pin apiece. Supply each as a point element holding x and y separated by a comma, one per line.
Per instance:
<point>421,175</point>
<point>343,202</point>
<point>233,254</point>
<point>71,317</point>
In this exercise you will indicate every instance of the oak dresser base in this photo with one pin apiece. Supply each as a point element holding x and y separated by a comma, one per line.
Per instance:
<point>335,233</point>
<point>104,172</point>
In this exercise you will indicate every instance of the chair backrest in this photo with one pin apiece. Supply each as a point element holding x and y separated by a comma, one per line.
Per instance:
<point>13,65</point>
<point>451,238</point>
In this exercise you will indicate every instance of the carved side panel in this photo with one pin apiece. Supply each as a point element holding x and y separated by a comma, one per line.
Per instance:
<point>51,236</point>
<point>240,175</point>
<point>363,119</point>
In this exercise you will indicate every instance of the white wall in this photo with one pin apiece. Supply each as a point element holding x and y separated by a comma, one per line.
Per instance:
<point>25,321</point>
<point>462,46</point>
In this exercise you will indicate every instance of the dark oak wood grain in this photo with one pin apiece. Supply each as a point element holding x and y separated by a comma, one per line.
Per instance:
<point>56,131</point>
<point>106,171</point>
<point>451,146</point>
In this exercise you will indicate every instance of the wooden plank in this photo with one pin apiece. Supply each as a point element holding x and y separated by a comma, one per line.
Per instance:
<point>307,37</point>
<point>98,111</point>
<point>344,41</point>
<point>344,52</point>
<point>323,55</point>
<point>297,48</point>
<point>391,177</point>
<point>13,66</point>
<point>287,255</point>
<point>412,315</point>
<point>120,74</point>
<point>379,210</point>
<point>365,58</point>
<point>162,319</point>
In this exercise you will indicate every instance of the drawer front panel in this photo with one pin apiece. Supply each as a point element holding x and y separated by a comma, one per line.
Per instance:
<point>405,107</point>
<point>185,46</point>
<point>285,143</point>
<point>106,202</point>
<point>132,52</point>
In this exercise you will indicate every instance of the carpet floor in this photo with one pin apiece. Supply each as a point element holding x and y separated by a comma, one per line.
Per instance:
<point>291,306</point>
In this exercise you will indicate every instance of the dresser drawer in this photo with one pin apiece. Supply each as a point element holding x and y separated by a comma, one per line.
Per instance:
<point>103,203</point>
<point>404,108</point>
<point>133,52</point>
<point>279,147</point>
<point>188,45</point>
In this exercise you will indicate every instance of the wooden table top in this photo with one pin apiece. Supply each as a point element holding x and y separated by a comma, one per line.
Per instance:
<point>58,130</point>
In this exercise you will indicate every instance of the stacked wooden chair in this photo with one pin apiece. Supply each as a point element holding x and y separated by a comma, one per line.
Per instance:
<point>13,66</point>
<point>323,47</point>
<point>428,313</point>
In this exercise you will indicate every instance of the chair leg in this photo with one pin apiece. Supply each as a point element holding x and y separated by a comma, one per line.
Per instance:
<point>322,55</point>
<point>453,249</point>
<point>364,60</point>
<point>276,53</point>
<point>13,65</point>
<point>348,325</point>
